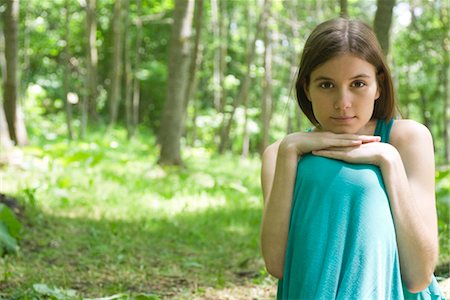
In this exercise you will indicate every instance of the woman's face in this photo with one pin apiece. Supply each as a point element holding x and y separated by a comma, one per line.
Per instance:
<point>343,92</point>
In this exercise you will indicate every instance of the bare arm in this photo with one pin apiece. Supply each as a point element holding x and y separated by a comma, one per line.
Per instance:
<point>277,180</point>
<point>409,178</point>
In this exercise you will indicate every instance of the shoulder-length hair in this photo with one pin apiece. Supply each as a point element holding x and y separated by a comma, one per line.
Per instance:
<point>342,36</point>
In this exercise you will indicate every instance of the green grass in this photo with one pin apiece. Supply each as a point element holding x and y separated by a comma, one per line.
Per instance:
<point>103,219</point>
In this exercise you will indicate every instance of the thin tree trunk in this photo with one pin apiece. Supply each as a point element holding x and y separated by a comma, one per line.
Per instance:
<point>382,22</point>
<point>66,62</point>
<point>344,8</point>
<point>426,115</point>
<point>195,60</point>
<point>178,75</point>
<point>266,111</point>
<point>217,85</point>
<point>446,108</point>
<point>445,19</point>
<point>84,111</point>
<point>128,74</point>
<point>25,76</point>
<point>92,61</point>
<point>117,62</point>
<point>292,110</point>
<point>243,91</point>
<point>137,62</point>
<point>14,119</point>
<point>5,140</point>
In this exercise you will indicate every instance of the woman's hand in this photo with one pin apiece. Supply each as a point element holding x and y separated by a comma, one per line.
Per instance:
<point>302,143</point>
<point>374,153</point>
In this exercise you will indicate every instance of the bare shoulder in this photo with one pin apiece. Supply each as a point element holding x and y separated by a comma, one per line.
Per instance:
<point>415,146</point>
<point>271,151</point>
<point>408,133</point>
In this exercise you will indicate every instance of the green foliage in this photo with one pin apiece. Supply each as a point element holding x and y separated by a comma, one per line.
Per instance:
<point>10,229</point>
<point>43,291</point>
<point>107,220</point>
<point>443,209</point>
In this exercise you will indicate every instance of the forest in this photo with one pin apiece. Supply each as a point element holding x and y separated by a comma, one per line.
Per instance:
<point>131,134</point>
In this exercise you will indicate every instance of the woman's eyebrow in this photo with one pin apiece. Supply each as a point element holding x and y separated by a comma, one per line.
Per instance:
<point>320,78</point>
<point>362,75</point>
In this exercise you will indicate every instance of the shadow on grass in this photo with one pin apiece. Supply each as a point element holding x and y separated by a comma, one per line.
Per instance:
<point>168,257</point>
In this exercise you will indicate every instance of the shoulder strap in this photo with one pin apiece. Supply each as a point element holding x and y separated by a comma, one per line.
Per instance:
<point>383,129</point>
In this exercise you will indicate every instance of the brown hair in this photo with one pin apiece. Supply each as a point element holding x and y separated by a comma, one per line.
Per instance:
<point>342,36</point>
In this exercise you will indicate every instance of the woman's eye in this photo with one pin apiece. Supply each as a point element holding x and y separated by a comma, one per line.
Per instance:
<point>358,84</point>
<point>326,85</point>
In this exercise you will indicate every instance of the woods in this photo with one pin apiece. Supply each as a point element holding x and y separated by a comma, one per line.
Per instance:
<point>123,66</point>
<point>113,111</point>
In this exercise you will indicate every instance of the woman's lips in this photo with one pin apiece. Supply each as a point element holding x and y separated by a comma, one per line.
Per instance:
<point>344,119</point>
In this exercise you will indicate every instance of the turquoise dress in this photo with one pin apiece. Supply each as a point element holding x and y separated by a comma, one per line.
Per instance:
<point>341,242</point>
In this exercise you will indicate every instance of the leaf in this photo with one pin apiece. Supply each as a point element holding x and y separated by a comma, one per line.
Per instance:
<point>9,220</point>
<point>55,293</point>
<point>7,242</point>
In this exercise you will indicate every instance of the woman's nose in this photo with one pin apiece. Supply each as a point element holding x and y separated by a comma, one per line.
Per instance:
<point>343,99</point>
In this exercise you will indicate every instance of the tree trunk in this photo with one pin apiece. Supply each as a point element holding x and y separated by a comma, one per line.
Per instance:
<point>137,62</point>
<point>25,73</point>
<point>66,62</point>
<point>243,91</point>
<point>382,22</point>
<point>14,118</point>
<point>128,75</point>
<point>426,115</point>
<point>292,109</point>
<point>217,45</point>
<point>178,76</point>
<point>92,60</point>
<point>117,62</point>
<point>266,112</point>
<point>445,19</point>
<point>5,140</point>
<point>344,8</point>
<point>195,60</point>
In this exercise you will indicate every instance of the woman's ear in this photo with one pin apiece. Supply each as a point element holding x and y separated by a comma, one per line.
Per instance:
<point>380,80</point>
<point>306,90</point>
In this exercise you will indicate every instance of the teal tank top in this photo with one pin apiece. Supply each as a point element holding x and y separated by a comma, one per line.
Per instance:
<point>341,241</point>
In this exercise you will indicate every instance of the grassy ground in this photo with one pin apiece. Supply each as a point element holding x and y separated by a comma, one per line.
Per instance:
<point>103,219</point>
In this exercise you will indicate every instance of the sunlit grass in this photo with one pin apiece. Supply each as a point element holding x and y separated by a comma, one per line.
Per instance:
<point>104,218</point>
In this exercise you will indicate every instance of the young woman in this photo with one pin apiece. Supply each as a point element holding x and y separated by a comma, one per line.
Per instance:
<point>350,205</point>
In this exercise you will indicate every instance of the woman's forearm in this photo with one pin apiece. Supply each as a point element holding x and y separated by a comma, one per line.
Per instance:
<point>275,222</point>
<point>417,243</point>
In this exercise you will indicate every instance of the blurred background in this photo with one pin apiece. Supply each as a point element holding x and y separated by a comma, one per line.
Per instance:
<point>131,134</point>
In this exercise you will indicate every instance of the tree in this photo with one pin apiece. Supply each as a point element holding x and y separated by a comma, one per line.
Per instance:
<point>92,60</point>
<point>245,82</point>
<point>13,114</point>
<point>266,111</point>
<point>117,62</point>
<point>195,60</point>
<point>66,64</point>
<point>445,20</point>
<point>382,22</point>
<point>178,76</point>
<point>344,8</point>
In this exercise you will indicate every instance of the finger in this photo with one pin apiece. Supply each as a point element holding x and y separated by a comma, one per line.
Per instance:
<point>329,154</point>
<point>370,138</point>
<point>341,149</point>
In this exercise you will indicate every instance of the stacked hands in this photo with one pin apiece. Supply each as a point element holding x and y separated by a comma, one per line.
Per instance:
<point>351,148</point>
